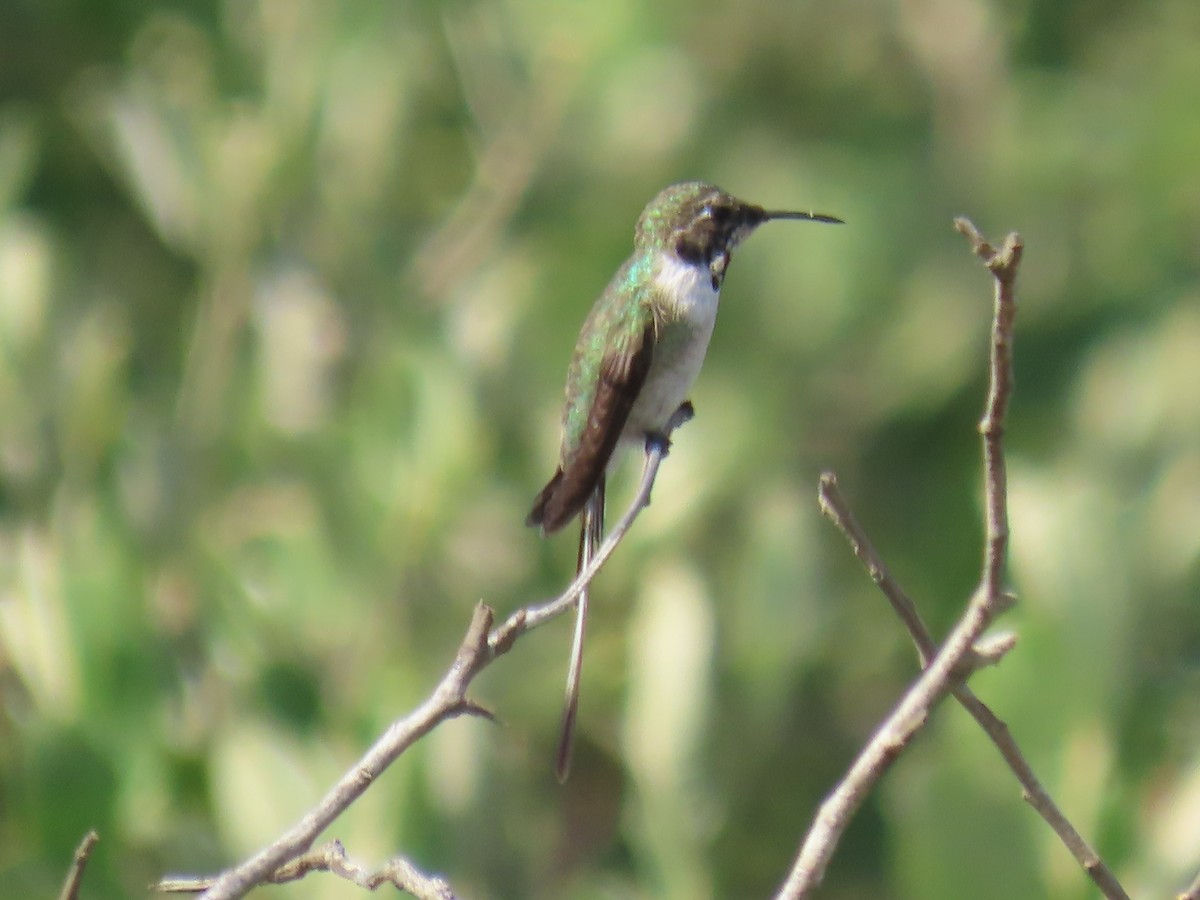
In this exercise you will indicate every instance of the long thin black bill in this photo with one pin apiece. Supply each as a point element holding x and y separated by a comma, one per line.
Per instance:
<point>807,216</point>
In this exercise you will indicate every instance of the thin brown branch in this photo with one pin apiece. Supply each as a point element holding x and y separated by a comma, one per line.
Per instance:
<point>954,660</point>
<point>884,747</point>
<point>530,617</point>
<point>481,645</point>
<point>332,858</point>
<point>70,888</point>
<point>1003,264</point>
<point>834,506</point>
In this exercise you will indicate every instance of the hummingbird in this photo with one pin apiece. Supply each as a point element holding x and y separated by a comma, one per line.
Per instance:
<point>638,353</point>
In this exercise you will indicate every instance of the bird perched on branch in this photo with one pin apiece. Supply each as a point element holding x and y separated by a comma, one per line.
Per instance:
<point>638,353</point>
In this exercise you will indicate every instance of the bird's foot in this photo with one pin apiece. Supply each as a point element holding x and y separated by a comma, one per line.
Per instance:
<point>661,440</point>
<point>681,416</point>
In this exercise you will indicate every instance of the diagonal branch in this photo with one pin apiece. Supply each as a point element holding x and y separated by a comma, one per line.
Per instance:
<point>954,661</point>
<point>70,888</point>
<point>834,506</point>
<point>331,857</point>
<point>884,747</point>
<point>480,647</point>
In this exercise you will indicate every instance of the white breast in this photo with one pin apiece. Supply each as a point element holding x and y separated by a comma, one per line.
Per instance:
<point>689,311</point>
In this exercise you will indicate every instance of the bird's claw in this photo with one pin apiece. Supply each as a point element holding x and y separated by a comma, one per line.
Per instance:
<point>661,440</point>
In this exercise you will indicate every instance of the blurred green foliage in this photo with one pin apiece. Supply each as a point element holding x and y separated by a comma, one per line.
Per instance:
<point>287,292</point>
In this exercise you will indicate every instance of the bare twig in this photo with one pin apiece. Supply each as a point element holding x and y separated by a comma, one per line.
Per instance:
<point>331,857</point>
<point>883,748</point>
<point>481,645</point>
<point>70,888</point>
<point>834,506</point>
<point>1193,891</point>
<point>955,659</point>
<point>1003,265</point>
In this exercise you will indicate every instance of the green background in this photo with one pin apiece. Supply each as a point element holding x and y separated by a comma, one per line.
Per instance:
<point>287,293</point>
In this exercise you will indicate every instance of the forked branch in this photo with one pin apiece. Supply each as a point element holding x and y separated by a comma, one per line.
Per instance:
<point>481,645</point>
<point>946,670</point>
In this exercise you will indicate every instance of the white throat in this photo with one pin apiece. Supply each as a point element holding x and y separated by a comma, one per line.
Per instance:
<point>688,289</point>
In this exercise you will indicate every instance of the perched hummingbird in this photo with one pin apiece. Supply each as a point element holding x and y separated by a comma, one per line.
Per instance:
<point>638,353</point>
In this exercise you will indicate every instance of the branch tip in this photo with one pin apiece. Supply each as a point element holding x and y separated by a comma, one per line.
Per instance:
<point>473,651</point>
<point>990,650</point>
<point>964,650</point>
<point>478,710</point>
<point>74,879</point>
<point>979,244</point>
<point>1001,263</point>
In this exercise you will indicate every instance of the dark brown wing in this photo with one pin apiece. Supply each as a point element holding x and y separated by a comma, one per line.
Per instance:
<point>622,374</point>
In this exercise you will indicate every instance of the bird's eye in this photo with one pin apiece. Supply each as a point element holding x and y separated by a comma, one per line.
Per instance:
<point>719,214</point>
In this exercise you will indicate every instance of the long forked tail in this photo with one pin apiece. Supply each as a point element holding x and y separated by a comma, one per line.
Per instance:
<point>591,535</point>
